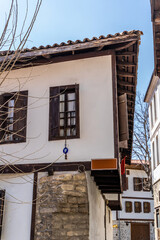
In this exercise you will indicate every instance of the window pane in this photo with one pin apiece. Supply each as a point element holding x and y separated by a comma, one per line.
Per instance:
<point>73,131</point>
<point>61,115</point>
<point>73,121</point>
<point>73,114</point>
<point>62,107</point>
<point>71,96</point>
<point>71,106</point>
<point>62,97</point>
<point>68,132</point>
<point>61,132</point>
<point>61,122</point>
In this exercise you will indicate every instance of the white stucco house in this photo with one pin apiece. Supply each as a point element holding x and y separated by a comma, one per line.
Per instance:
<point>152,97</point>
<point>137,215</point>
<point>66,123</point>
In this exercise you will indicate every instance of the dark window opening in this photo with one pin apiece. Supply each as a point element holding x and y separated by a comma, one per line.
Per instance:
<point>13,117</point>
<point>137,184</point>
<point>137,207</point>
<point>128,206</point>
<point>146,207</point>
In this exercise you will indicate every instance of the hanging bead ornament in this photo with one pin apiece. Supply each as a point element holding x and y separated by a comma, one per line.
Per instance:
<point>65,149</point>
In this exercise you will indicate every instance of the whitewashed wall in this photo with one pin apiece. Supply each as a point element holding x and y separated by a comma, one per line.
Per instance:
<point>94,76</point>
<point>133,196</point>
<point>155,130</point>
<point>97,213</point>
<point>130,192</point>
<point>18,206</point>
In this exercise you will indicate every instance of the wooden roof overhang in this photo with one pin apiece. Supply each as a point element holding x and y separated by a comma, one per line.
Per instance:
<point>155,17</point>
<point>124,45</point>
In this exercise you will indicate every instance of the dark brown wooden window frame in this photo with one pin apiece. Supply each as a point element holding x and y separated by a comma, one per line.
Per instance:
<point>54,112</point>
<point>20,126</point>
<point>139,208</point>
<point>148,207</point>
<point>128,209</point>
<point>137,186</point>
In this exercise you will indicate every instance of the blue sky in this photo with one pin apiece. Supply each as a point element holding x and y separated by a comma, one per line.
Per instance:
<point>59,21</point>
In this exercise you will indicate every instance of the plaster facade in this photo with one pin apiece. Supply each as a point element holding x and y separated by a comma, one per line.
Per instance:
<point>94,76</point>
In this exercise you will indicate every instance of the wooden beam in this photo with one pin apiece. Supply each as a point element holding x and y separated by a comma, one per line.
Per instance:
<point>45,167</point>
<point>117,190</point>
<point>126,53</point>
<point>34,200</point>
<point>157,17</point>
<point>126,91</point>
<point>125,74</point>
<point>46,56</point>
<point>125,46</point>
<point>127,64</point>
<point>114,205</point>
<point>123,83</point>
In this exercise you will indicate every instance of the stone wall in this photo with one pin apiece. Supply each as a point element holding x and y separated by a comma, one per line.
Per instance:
<point>125,230</point>
<point>62,210</point>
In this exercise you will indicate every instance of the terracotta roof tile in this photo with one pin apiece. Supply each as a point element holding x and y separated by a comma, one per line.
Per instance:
<point>70,42</point>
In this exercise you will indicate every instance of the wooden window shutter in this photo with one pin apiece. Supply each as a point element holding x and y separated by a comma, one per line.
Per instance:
<point>54,113</point>
<point>123,121</point>
<point>20,116</point>
<point>2,197</point>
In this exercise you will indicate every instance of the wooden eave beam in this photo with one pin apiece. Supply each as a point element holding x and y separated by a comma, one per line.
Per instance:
<point>123,83</point>
<point>126,91</point>
<point>126,53</point>
<point>127,64</point>
<point>45,167</point>
<point>157,17</point>
<point>125,74</point>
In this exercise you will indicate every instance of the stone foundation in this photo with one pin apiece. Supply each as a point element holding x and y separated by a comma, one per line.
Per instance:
<point>62,210</point>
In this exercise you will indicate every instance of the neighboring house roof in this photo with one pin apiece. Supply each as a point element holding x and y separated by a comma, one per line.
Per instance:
<point>137,164</point>
<point>155,15</point>
<point>125,48</point>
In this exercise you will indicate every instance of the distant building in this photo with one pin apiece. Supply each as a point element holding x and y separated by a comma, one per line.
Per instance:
<point>152,97</point>
<point>136,220</point>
